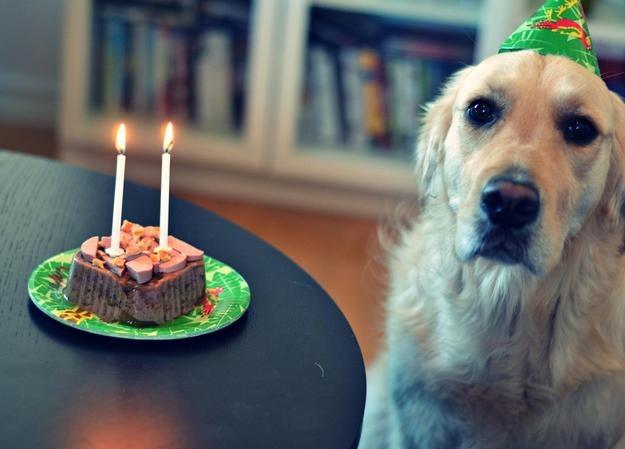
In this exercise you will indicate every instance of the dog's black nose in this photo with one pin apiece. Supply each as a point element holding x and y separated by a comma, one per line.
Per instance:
<point>509,204</point>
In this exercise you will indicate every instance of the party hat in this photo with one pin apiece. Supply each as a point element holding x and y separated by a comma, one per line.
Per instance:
<point>556,28</point>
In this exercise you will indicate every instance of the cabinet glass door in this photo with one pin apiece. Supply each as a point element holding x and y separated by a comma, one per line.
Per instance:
<point>356,75</point>
<point>198,63</point>
<point>182,60</point>
<point>367,78</point>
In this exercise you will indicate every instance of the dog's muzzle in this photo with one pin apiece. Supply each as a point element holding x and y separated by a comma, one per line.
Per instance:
<point>509,208</point>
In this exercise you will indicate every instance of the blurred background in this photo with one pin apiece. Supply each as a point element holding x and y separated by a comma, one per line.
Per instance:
<point>294,118</point>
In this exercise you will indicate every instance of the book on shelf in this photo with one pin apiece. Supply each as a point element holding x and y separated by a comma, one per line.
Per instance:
<point>352,99</point>
<point>213,81</point>
<point>143,44</point>
<point>177,90</point>
<point>114,63</point>
<point>373,88</point>
<point>239,80</point>
<point>324,102</point>
<point>406,94</point>
<point>162,63</point>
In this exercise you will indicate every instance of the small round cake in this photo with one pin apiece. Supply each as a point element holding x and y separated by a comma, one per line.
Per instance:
<point>146,284</point>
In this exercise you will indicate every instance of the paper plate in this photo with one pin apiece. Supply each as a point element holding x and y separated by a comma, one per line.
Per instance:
<point>47,283</point>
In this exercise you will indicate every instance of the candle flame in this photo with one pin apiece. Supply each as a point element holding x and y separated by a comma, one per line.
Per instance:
<point>120,140</point>
<point>168,140</point>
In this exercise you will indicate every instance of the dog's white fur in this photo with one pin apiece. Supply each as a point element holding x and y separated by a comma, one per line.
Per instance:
<point>484,355</point>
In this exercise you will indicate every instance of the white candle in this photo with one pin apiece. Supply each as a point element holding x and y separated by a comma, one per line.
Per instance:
<point>168,144</point>
<point>120,145</point>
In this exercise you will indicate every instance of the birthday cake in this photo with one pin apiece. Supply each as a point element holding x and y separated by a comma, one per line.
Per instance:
<point>145,284</point>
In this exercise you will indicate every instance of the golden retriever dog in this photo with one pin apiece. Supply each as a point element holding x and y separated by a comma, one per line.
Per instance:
<point>505,323</point>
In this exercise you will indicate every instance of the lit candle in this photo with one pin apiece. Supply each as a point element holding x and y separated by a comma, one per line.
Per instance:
<point>120,145</point>
<point>168,144</point>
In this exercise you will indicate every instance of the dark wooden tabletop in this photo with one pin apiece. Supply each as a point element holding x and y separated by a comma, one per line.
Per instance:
<point>289,374</point>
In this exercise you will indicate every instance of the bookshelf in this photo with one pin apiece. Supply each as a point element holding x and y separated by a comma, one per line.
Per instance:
<point>299,102</point>
<point>337,49</point>
<point>93,101</point>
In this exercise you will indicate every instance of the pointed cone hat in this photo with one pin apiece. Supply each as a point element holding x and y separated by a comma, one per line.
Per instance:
<point>556,28</point>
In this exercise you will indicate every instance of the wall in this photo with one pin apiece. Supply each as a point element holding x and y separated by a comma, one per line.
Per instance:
<point>30,46</point>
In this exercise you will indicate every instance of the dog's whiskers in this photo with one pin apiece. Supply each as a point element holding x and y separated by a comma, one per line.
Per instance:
<point>611,75</point>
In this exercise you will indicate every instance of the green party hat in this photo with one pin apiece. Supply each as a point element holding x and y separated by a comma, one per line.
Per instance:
<point>556,28</point>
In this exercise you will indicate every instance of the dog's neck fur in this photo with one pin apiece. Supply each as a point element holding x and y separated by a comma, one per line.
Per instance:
<point>498,331</point>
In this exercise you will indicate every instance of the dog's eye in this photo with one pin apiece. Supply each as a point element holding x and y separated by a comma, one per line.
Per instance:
<point>579,130</point>
<point>482,112</point>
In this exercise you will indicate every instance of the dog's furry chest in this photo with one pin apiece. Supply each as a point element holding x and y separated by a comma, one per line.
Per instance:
<point>480,345</point>
<point>489,392</point>
<point>491,379</point>
<point>467,329</point>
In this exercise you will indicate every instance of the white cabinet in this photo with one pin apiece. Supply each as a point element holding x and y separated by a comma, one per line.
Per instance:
<point>325,93</point>
<point>88,127</point>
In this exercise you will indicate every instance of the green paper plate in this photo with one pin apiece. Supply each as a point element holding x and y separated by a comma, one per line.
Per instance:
<point>48,280</point>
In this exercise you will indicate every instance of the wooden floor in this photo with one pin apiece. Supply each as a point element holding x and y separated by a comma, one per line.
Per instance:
<point>341,253</point>
<point>29,139</point>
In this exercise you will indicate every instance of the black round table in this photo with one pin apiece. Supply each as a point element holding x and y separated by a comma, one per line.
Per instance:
<point>288,374</point>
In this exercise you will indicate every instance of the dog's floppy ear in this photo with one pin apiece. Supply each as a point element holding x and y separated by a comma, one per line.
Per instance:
<point>433,131</point>
<point>615,187</point>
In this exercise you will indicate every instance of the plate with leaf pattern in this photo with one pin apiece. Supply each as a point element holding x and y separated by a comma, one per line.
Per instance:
<point>227,299</point>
